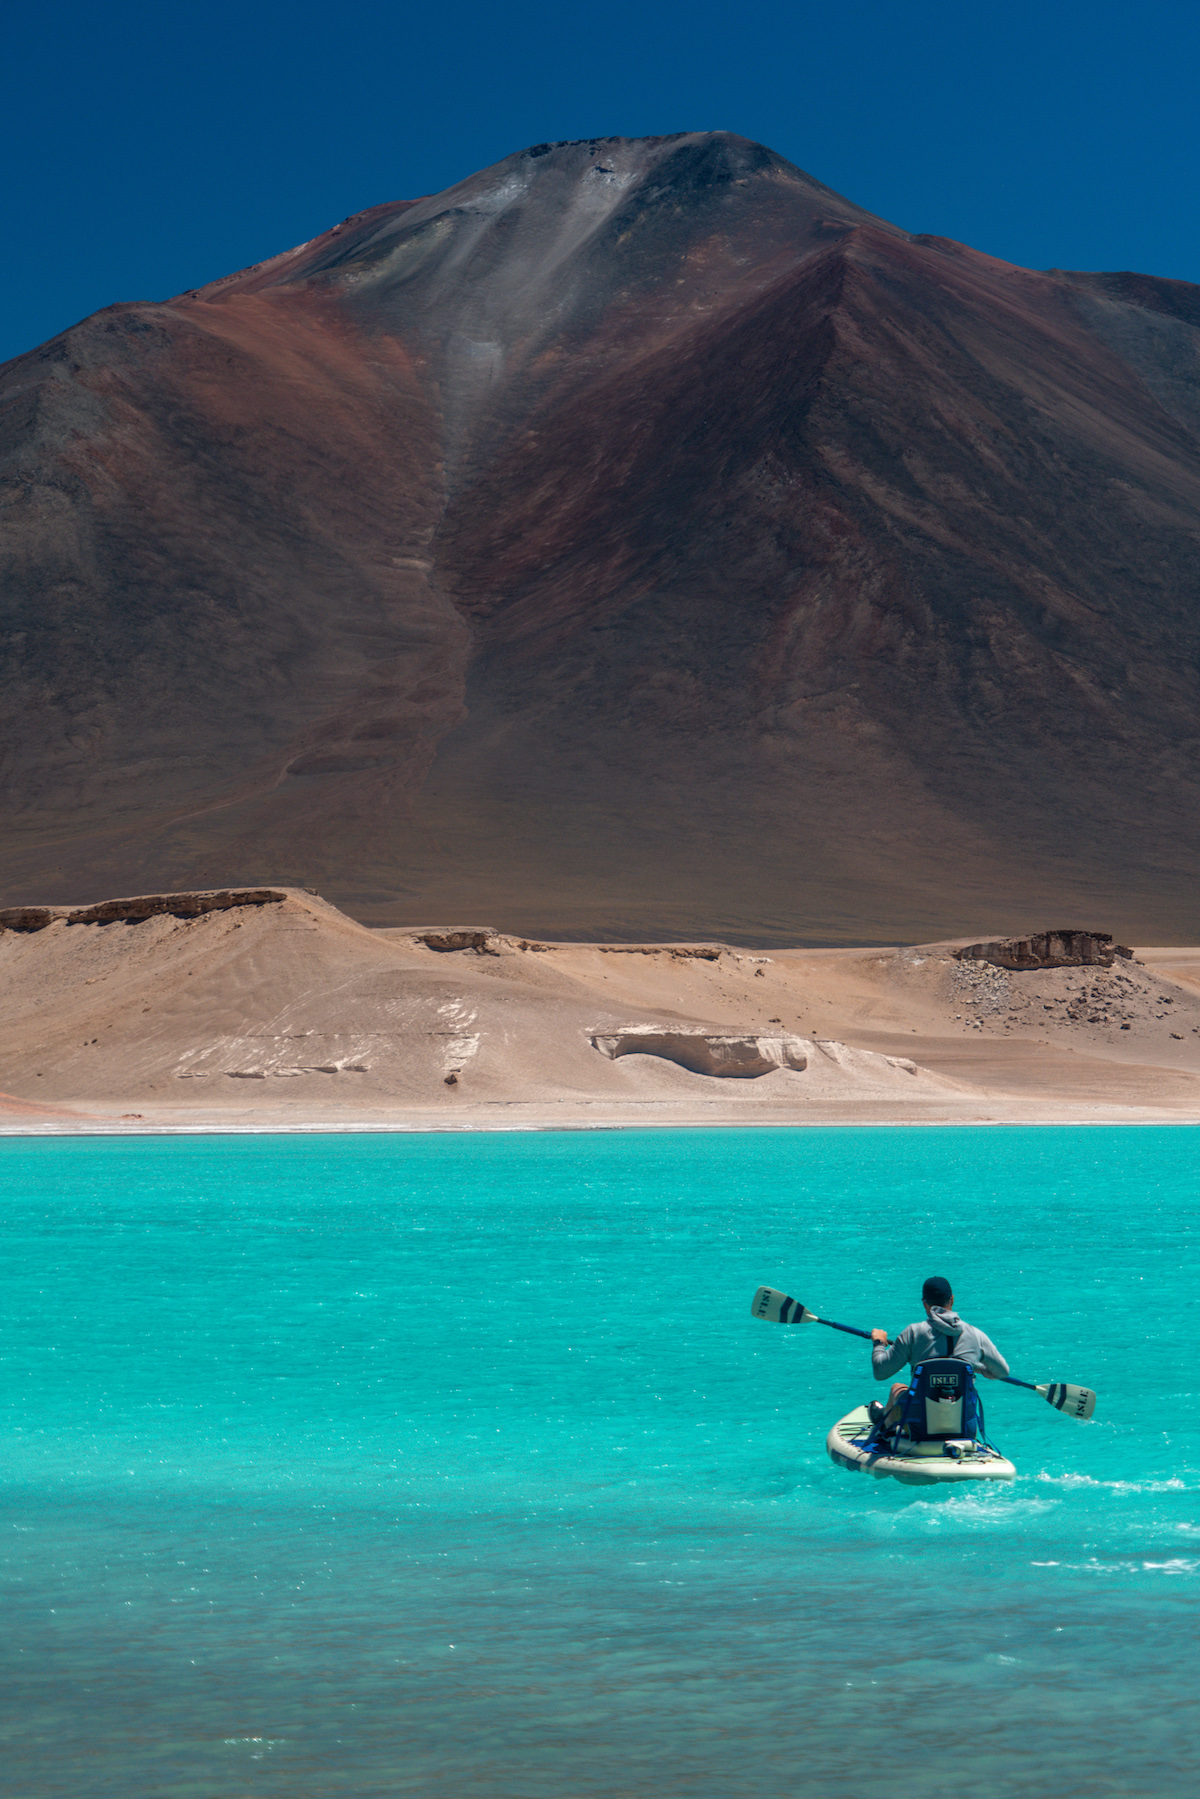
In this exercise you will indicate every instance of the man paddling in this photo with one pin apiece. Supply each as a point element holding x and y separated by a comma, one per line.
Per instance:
<point>940,1333</point>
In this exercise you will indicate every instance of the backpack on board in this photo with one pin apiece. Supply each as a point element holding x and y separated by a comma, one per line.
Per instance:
<point>941,1403</point>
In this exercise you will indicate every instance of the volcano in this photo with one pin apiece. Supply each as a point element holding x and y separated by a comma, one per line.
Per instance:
<point>637,540</point>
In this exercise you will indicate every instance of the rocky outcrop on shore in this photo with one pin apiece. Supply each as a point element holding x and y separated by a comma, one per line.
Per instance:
<point>1048,949</point>
<point>146,905</point>
<point>729,1057</point>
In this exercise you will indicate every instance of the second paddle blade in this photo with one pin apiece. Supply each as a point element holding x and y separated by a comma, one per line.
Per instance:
<point>1077,1402</point>
<point>774,1307</point>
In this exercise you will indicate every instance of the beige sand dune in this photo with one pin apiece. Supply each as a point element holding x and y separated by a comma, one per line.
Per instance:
<point>282,1012</point>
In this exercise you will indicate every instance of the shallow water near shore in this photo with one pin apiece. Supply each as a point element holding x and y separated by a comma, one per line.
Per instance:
<point>455,1466</point>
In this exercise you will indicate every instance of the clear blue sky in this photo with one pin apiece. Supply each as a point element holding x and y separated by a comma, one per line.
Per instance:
<point>150,148</point>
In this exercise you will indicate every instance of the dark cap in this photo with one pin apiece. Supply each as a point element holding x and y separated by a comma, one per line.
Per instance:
<point>937,1291</point>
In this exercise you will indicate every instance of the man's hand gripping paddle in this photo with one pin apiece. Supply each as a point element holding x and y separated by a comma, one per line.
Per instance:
<point>774,1307</point>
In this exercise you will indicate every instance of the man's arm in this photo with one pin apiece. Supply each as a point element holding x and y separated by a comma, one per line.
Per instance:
<point>994,1364</point>
<point>887,1358</point>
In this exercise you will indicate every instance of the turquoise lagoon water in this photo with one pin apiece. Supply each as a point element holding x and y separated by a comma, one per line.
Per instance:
<point>455,1466</point>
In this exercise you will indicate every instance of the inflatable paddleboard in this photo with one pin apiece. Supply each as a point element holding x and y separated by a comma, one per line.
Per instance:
<point>914,1464</point>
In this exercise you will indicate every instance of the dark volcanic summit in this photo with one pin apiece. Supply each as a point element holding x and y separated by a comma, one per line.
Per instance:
<point>636,539</point>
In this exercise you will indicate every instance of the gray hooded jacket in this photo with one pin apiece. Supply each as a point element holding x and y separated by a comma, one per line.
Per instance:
<point>944,1334</point>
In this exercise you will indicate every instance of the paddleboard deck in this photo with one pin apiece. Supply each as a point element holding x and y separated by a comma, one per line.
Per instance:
<point>925,1464</point>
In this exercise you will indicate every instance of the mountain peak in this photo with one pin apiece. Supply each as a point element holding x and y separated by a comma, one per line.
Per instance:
<point>637,537</point>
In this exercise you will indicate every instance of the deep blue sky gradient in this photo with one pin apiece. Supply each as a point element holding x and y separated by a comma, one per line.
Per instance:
<point>150,148</point>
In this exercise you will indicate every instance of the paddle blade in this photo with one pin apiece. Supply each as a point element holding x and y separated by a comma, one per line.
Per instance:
<point>1076,1402</point>
<point>774,1307</point>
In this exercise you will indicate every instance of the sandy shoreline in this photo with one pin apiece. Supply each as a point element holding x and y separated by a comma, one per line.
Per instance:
<point>514,1117</point>
<point>578,1126</point>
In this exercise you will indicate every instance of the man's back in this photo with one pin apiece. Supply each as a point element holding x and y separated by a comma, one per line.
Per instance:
<point>942,1333</point>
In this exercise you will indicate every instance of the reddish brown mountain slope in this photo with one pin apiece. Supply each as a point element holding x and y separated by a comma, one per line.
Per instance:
<point>637,538</point>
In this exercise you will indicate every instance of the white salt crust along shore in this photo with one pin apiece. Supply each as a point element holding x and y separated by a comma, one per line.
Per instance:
<point>282,1014</point>
<point>410,1127</point>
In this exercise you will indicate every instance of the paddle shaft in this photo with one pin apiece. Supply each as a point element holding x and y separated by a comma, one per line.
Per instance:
<point>849,1329</point>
